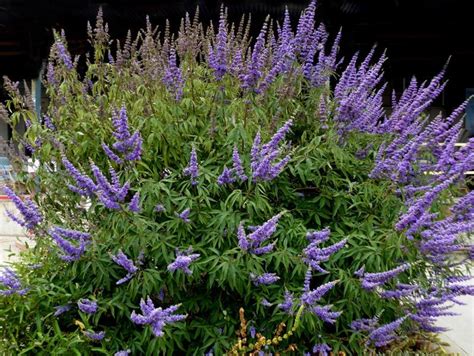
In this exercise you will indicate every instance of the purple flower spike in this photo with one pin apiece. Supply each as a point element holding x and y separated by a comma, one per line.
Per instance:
<point>157,318</point>
<point>262,157</point>
<point>61,309</point>
<point>192,169</point>
<point>29,210</point>
<point>237,165</point>
<point>173,78</point>
<point>226,177</point>
<point>312,296</point>
<point>84,185</point>
<point>64,55</point>
<point>184,215</point>
<point>386,333</point>
<point>372,280</point>
<point>128,146</point>
<point>122,353</point>
<point>94,336</point>
<point>325,313</point>
<point>264,279</point>
<point>11,283</point>
<point>287,304</point>
<point>321,349</point>
<point>134,205</point>
<point>71,250</point>
<point>122,260</point>
<point>182,261</point>
<point>87,306</point>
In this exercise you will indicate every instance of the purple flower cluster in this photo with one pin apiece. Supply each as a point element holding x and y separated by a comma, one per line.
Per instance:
<point>71,242</point>
<point>94,336</point>
<point>288,303</point>
<point>217,58</point>
<point>128,145</point>
<point>310,298</point>
<point>134,205</point>
<point>262,157</point>
<point>237,172</point>
<point>321,349</point>
<point>401,290</point>
<point>264,279</point>
<point>110,192</point>
<point>122,353</point>
<point>385,334</point>
<point>184,215</point>
<point>254,241</point>
<point>365,324</point>
<point>359,101</point>
<point>63,54</point>
<point>157,318</point>
<point>192,169</point>
<point>61,309</point>
<point>11,283</point>
<point>84,185</point>
<point>29,210</point>
<point>371,281</point>
<point>314,255</point>
<point>173,78</point>
<point>432,303</point>
<point>87,306</point>
<point>122,260</point>
<point>183,260</point>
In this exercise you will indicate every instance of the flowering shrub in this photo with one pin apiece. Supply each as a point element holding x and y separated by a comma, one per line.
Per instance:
<point>207,193</point>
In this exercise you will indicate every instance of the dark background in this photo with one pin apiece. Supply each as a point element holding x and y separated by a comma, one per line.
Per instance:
<point>419,35</point>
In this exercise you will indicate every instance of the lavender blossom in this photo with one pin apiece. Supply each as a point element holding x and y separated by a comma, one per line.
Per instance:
<point>84,185</point>
<point>365,324</point>
<point>325,313</point>
<point>128,145</point>
<point>70,251</point>
<point>12,284</point>
<point>173,78</point>
<point>182,261</point>
<point>226,177</point>
<point>321,349</point>
<point>263,157</point>
<point>192,169</point>
<point>157,318</point>
<point>287,304</point>
<point>61,309</point>
<point>94,336</point>
<point>254,241</point>
<point>386,333</point>
<point>265,303</point>
<point>122,260</point>
<point>401,290</point>
<point>87,306</point>
<point>184,215</point>
<point>237,165</point>
<point>218,54</point>
<point>122,353</point>
<point>314,255</point>
<point>64,55</point>
<point>134,205</point>
<point>29,210</point>
<point>264,279</point>
<point>372,280</point>
<point>312,296</point>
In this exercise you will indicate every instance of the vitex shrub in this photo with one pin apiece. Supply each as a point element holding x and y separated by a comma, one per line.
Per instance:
<point>210,193</point>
